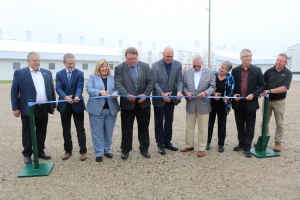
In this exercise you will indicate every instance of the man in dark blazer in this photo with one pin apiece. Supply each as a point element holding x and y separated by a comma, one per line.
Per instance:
<point>34,83</point>
<point>167,75</point>
<point>249,83</point>
<point>133,78</point>
<point>69,86</point>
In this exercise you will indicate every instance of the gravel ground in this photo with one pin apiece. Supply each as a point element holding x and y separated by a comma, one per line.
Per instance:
<point>176,175</point>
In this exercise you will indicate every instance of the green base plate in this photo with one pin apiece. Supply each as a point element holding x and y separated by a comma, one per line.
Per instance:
<point>264,154</point>
<point>43,170</point>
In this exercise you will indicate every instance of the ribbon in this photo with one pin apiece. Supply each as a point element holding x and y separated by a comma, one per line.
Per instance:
<point>125,96</point>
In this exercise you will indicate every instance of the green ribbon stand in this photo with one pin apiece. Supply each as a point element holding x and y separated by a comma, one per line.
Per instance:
<point>261,150</point>
<point>36,169</point>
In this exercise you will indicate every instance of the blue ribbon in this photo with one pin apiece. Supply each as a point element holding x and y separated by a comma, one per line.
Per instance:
<point>125,96</point>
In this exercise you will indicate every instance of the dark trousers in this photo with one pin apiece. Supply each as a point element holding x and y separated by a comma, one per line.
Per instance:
<point>41,122</point>
<point>66,125</point>
<point>163,130</point>
<point>245,124</point>
<point>222,117</point>
<point>127,119</point>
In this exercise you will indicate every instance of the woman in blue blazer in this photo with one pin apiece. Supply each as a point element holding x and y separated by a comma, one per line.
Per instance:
<point>102,111</point>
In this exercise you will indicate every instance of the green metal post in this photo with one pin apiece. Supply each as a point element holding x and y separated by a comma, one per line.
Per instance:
<point>261,150</point>
<point>35,169</point>
<point>33,137</point>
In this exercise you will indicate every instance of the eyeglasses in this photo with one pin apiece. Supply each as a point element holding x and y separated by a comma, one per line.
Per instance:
<point>249,56</point>
<point>224,68</point>
<point>70,63</point>
<point>197,66</point>
<point>131,59</point>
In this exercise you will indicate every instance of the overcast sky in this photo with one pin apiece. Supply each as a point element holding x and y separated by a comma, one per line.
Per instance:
<point>267,26</point>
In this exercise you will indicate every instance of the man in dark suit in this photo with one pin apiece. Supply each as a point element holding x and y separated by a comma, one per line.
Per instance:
<point>34,83</point>
<point>133,78</point>
<point>167,75</point>
<point>249,83</point>
<point>69,86</point>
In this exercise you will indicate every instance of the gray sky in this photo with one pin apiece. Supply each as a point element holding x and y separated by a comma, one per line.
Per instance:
<point>267,26</point>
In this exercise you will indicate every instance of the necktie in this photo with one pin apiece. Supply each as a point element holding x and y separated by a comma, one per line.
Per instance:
<point>134,75</point>
<point>69,76</point>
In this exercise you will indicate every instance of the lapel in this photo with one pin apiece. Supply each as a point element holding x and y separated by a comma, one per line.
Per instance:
<point>172,72</point>
<point>139,66</point>
<point>163,69</point>
<point>127,70</point>
<point>28,75</point>
<point>109,84</point>
<point>238,79</point>
<point>203,77</point>
<point>74,73</point>
<point>100,82</point>
<point>45,77</point>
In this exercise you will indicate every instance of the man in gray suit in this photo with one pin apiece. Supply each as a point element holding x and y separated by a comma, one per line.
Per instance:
<point>198,81</point>
<point>167,74</point>
<point>133,78</point>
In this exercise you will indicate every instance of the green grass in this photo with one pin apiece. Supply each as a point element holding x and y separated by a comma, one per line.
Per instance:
<point>5,81</point>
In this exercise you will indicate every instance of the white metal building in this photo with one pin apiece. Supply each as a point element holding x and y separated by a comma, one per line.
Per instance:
<point>13,55</point>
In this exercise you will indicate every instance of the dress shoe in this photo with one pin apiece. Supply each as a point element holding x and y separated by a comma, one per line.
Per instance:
<point>277,147</point>
<point>66,156</point>
<point>221,149</point>
<point>170,147</point>
<point>146,154</point>
<point>185,149</point>
<point>83,156</point>
<point>44,156</point>
<point>99,159</point>
<point>247,153</point>
<point>161,150</point>
<point>27,160</point>
<point>238,148</point>
<point>201,153</point>
<point>125,155</point>
<point>208,146</point>
<point>109,155</point>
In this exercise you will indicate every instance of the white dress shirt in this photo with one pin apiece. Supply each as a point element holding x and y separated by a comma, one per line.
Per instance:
<point>197,76</point>
<point>39,84</point>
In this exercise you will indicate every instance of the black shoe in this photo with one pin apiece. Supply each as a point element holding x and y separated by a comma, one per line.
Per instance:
<point>170,147</point>
<point>44,156</point>
<point>98,159</point>
<point>248,153</point>
<point>125,155</point>
<point>146,154</point>
<point>238,148</point>
<point>221,149</point>
<point>109,155</point>
<point>161,150</point>
<point>208,146</point>
<point>27,160</point>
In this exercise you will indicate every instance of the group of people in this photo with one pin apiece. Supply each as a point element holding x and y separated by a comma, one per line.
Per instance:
<point>133,82</point>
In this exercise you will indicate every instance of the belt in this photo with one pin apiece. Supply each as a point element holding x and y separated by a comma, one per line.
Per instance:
<point>276,99</point>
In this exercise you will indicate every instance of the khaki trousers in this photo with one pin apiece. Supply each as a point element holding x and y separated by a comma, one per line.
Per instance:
<point>202,120</point>
<point>278,107</point>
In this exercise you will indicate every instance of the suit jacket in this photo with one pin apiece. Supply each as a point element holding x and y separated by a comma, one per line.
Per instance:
<point>207,84</point>
<point>74,88</point>
<point>23,88</point>
<point>93,87</point>
<point>125,84</point>
<point>255,86</point>
<point>164,84</point>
